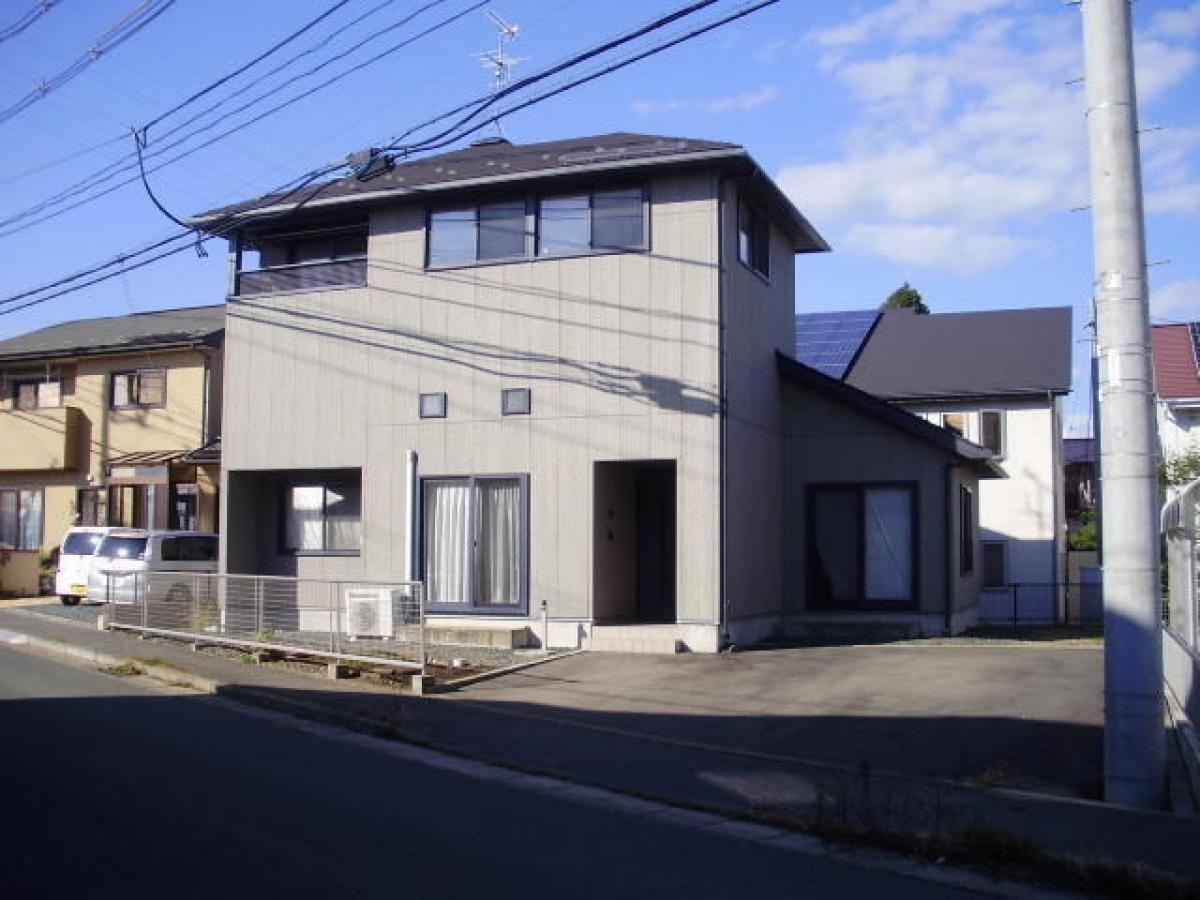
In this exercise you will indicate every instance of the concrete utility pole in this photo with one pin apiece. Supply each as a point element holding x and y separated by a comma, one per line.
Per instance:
<point>1134,736</point>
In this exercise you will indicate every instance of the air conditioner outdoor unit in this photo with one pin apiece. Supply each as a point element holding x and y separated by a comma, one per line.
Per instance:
<point>367,612</point>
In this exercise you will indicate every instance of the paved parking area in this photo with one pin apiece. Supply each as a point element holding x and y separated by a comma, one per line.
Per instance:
<point>1017,716</point>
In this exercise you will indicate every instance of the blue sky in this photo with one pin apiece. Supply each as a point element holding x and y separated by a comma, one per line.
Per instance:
<point>933,141</point>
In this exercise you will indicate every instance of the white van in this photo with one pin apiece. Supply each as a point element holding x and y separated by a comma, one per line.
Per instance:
<point>125,553</point>
<point>75,562</point>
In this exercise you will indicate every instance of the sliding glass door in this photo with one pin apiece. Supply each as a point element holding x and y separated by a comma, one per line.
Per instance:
<point>475,543</point>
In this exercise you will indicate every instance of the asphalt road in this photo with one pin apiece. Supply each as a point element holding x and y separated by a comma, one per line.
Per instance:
<point>111,789</point>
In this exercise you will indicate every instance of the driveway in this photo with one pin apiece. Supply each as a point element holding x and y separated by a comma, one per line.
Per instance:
<point>1017,716</point>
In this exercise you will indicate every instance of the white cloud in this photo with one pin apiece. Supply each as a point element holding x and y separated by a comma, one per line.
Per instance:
<point>1178,300</point>
<point>1181,24</point>
<point>949,247</point>
<point>907,20</point>
<point>961,144</point>
<point>743,102</point>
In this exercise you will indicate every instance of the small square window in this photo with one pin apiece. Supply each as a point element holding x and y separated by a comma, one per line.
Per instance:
<point>515,402</point>
<point>432,406</point>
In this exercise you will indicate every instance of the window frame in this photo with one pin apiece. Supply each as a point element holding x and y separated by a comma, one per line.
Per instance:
<point>1002,453</point>
<point>16,545</point>
<point>533,227</point>
<point>137,375</point>
<point>325,485</point>
<point>445,405</point>
<point>862,603</point>
<point>983,579</point>
<point>471,608</point>
<point>36,383</point>
<point>968,535</point>
<point>505,393</point>
<point>961,415</point>
<point>760,227</point>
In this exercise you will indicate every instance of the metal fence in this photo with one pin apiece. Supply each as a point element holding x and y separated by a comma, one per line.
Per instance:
<point>1181,537</point>
<point>1059,603</point>
<point>375,622</point>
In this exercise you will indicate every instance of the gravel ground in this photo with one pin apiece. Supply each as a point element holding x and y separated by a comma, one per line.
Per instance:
<point>83,614</point>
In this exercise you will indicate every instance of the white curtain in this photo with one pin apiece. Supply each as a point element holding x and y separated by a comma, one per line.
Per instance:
<point>888,526</point>
<point>499,542</point>
<point>305,518</point>
<point>343,518</point>
<point>30,520</point>
<point>447,540</point>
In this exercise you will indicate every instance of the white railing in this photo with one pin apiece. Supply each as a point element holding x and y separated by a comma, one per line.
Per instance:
<point>374,622</point>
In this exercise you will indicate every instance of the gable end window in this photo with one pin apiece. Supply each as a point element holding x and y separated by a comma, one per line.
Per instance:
<point>991,430</point>
<point>141,388</point>
<point>754,239</point>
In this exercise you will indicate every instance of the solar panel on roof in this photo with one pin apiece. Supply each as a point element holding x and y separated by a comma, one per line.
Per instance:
<point>829,342</point>
<point>1194,328</point>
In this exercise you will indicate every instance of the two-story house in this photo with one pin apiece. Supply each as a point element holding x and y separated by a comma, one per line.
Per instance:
<point>997,378</point>
<point>98,421</point>
<point>585,343</point>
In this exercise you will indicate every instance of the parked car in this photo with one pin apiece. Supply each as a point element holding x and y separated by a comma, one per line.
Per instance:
<point>75,557</point>
<point>132,562</point>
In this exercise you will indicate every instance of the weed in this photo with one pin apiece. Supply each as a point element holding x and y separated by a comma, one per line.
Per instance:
<point>124,669</point>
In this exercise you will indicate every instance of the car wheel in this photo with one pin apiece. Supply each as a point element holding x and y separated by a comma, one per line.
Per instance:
<point>68,600</point>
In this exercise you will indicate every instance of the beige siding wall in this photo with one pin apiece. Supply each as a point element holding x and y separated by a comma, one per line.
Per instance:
<point>828,442</point>
<point>619,351</point>
<point>759,319</point>
<point>103,433</point>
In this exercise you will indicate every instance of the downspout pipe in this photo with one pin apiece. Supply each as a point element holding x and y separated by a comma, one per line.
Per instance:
<point>410,517</point>
<point>951,535</point>
<point>723,411</point>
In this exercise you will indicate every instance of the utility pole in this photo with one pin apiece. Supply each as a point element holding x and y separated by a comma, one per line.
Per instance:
<point>1134,736</point>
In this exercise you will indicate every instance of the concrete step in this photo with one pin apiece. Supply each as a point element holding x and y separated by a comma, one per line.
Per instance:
<point>634,639</point>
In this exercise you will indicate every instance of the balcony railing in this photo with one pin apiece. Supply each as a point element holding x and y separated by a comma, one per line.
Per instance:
<point>311,276</point>
<point>37,440</point>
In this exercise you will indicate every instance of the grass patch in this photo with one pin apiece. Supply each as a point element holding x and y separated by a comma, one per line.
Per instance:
<point>125,669</point>
<point>157,663</point>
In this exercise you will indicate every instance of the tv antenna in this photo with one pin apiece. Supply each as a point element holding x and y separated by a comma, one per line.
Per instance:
<point>498,61</point>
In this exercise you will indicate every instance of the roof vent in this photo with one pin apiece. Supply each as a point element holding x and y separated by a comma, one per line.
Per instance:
<point>491,140</point>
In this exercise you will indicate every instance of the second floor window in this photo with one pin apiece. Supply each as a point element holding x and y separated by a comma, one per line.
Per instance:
<point>36,394</point>
<point>754,239</point>
<point>139,388</point>
<point>596,221</point>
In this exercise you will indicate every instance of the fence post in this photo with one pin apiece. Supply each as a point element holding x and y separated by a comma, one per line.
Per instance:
<point>332,615</point>
<point>139,595</point>
<point>420,588</point>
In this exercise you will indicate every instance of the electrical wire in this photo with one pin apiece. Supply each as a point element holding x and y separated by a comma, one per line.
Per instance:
<point>128,164</point>
<point>129,25</point>
<point>28,18</point>
<point>229,222</point>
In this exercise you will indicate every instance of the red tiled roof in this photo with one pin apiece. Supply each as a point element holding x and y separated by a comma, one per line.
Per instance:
<point>1175,372</point>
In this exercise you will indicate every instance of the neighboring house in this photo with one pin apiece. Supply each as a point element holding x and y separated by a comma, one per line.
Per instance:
<point>1176,352</point>
<point>580,341</point>
<point>995,378</point>
<point>1079,475</point>
<point>98,419</point>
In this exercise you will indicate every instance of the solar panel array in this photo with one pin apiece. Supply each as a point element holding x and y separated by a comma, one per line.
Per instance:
<point>1194,328</point>
<point>829,342</point>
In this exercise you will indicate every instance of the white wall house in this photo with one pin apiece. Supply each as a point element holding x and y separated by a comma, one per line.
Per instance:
<point>996,378</point>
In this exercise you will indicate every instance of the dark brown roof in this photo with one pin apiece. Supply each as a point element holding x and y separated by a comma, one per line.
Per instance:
<point>994,353</point>
<point>1175,364</point>
<point>489,163</point>
<point>159,330</point>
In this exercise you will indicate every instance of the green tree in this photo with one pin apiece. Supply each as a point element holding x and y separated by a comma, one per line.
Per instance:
<point>906,297</point>
<point>1181,469</point>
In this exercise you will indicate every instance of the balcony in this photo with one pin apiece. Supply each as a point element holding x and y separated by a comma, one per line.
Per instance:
<point>310,276</point>
<point>38,440</point>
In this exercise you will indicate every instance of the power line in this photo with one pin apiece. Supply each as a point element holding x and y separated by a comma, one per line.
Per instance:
<point>27,18</point>
<point>128,165</point>
<point>129,25</point>
<point>229,222</point>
